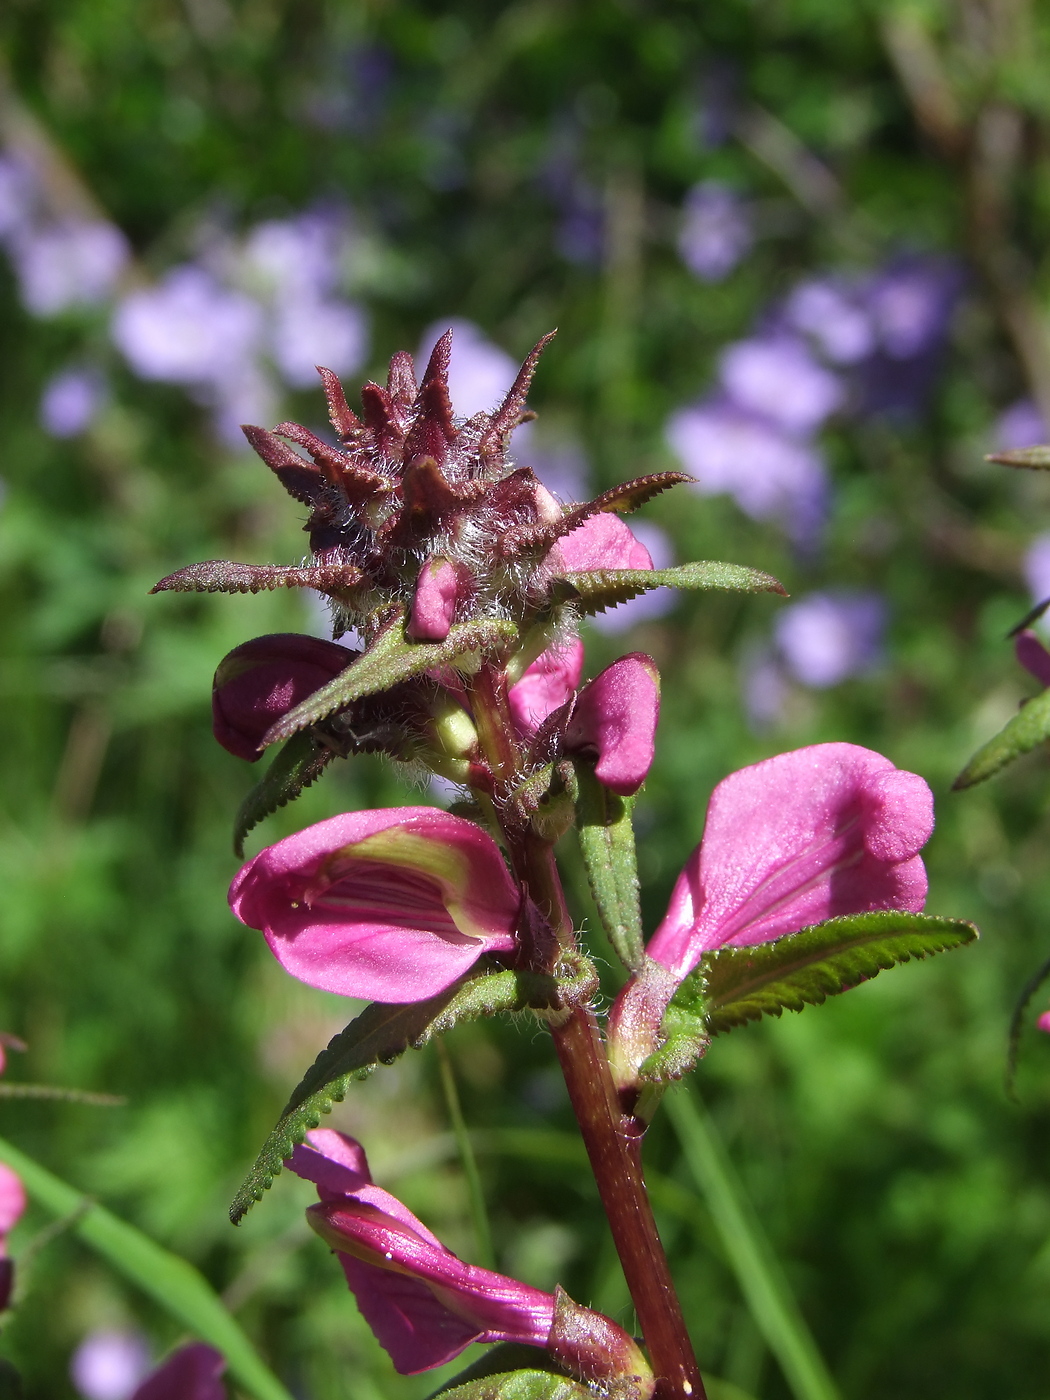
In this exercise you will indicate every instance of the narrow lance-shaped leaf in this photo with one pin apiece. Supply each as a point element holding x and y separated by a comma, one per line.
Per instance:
<point>1029,727</point>
<point>300,763</point>
<point>735,985</point>
<point>169,1280</point>
<point>593,590</point>
<point>390,659</point>
<point>226,576</point>
<point>1032,458</point>
<point>378,1036</point>
<point>606,835</point>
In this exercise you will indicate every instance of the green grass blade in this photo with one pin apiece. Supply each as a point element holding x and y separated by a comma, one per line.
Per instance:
<point>749,1252</point>
<point>175,1284</point>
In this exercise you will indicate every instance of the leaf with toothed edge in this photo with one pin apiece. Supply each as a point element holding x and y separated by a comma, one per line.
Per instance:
<point>390,659</point>
<point>226,576</point>
<point>732,986</point>
<point>594,590</point>
<point>383,1032</point>
<point>300,763</point>
<point>1028,728</point>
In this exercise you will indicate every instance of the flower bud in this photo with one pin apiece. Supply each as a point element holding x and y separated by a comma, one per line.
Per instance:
<point>614,721</point>
<point>263,679</point>
<point>434,604</point>
<point>191,1373</point>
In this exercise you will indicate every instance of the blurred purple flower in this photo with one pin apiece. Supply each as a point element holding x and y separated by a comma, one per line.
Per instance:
<point>769,474</point>
<point>764,687</point>
<point>297,256</point>
<point>479,374</point>
<point>71,401</point>
<point>911,303</point>
<point>70,264</point>
<point>188,329</point>
<point>310,333</point>
<point>17,196</point>
<point>832,313</point>
<point>109,1364</point>
<point>776,378</point>
<point>826,637</point>
<point>244,394</point>
<point>1037,570</point>
<point>1021,425</point>
<point>646,606</point>
<point>716,232</point>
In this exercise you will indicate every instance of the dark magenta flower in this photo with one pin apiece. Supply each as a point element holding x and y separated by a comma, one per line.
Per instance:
<point>191,1373</point>
<point>389,905</point>
<point>614,722</point>
<point>545,686</point>
<point>1033,656</point>
<point>261,680</point>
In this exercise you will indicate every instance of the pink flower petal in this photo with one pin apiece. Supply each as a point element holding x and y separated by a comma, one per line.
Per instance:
<point>424,1304</point>
<point>827,830</point>
<point>12,1202</point>
<point>192,1373</point>
<point>615,720</point>
<point>389,905</point>
<point>434,605</point>
<point>545,685</point>
<point>603,541</point>
<point>1033,656</point>
<point>1043,1022</point>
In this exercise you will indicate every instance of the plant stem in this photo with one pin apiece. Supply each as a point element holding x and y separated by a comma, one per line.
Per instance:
<point>614,1147</point>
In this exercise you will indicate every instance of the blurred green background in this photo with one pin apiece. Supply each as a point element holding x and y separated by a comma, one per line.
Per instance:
<point>520,166</point>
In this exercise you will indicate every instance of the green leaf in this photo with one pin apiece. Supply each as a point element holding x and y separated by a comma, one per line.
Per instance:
<point>606,835</point>
<point>520,1385</point>
<point>300,763</point>
<point>1033,458</point>
<point>378,1036</point>
<point>498,1361</point>
<point>171,1281</point>
<point>735,985</point>
<point>391,659</point>
<point>594,590</point>
<point>1029,727</point>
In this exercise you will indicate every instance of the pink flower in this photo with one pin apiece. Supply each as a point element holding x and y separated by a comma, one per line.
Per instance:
<point>387,905</point>
<point>545,686</point>
<point>12,1207</point>
<point>1033,656</point>
<point>615,722</point>
<point>603,541</point>
<point>191,1373</point>
<point>423,1303</point>
<point>434,605</point>
<point>261,680</point>
<point>1044,1021</point>
<point>826,830</point>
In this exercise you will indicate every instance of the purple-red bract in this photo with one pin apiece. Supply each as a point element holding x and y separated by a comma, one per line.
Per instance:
<point>826,830</point>
<point>424,1304</point>
<point>388,905</point>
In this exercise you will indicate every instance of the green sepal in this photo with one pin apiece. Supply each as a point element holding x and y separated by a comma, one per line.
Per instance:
<point>300,763</point>
<point>1032,458</point>
<point>732,986</point>
<point>1029,727</point>
<point>509,1359</point>
<point>594,590</point>
<point>391,659</point>
<point>383,1032</point>
<point>520,1385</point>
<point>606,835</point>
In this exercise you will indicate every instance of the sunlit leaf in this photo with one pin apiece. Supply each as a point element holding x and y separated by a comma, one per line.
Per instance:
<point>606,835</point>
<point>593,590</point>
<point>1029,727</point>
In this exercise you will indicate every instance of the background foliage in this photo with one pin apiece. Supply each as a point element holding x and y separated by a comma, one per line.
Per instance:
<point>524,165</point>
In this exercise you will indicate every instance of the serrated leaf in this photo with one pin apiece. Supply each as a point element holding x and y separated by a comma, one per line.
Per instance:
<point>1029,727</point>
<point>606,835</point>
<point>520,1385</point>
<point>732,986</point>
<point>300,763</point>
<point>378,1036</point>
<point>498,1361</point>
<point>1032,458</point>
<point>391,659</point>
<point>227,576</point>
<point>593,590</point>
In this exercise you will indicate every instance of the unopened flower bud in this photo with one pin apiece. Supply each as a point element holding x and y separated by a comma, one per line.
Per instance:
<point>615,722</point>
<point>263,679</point>
<point>434,605</point>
